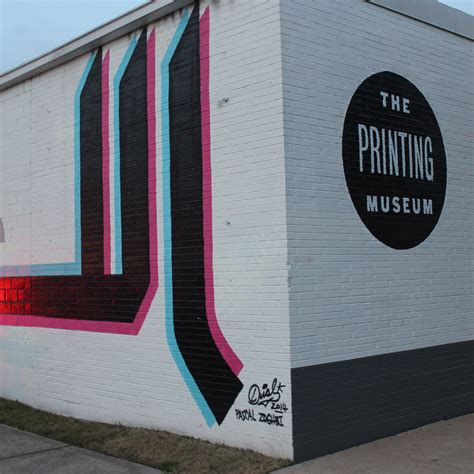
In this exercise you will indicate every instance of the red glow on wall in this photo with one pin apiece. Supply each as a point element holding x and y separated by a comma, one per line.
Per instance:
<point>15,295</point>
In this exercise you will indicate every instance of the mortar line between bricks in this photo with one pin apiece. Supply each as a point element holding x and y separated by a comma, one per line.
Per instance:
<point>34,452</point>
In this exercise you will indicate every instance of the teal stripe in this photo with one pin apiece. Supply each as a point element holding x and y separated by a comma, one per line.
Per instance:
<point>117,188</point>
<point>43,269</point>
<point>168,266</point>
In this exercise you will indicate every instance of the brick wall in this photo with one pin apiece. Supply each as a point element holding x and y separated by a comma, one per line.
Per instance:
<point>277,252</point>
<point>351,295</point>
<point>358,307</point>
<point>133,374</point>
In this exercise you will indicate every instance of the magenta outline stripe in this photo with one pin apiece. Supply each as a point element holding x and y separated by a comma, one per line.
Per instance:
<point>227,353</point>
<point>113,327</point>
<point>106,162</point>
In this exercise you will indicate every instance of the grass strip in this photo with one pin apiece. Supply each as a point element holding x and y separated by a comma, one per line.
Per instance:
<point>159,449</point>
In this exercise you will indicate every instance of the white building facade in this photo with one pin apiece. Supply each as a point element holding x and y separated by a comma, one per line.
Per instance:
<point>249,222</point>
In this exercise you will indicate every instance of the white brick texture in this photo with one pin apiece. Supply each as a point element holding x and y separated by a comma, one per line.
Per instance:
<point>350,295</point>
<point>134,379</point>
<point>298,279</point>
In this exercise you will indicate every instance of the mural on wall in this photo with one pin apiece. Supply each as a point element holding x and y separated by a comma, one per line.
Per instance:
<point>112,284</point>
<point>207,363</point>
<point>394,160</point>
<point>95,299</point>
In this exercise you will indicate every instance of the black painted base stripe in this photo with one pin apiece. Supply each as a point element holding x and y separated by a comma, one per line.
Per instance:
<point>216,381</point>
<point>343,404</point>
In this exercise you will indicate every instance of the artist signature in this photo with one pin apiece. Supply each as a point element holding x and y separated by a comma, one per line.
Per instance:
<point>265,394</point>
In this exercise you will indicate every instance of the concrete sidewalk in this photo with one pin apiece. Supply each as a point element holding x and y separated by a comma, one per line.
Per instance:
<point>27,453</point>
<point>446,447</point>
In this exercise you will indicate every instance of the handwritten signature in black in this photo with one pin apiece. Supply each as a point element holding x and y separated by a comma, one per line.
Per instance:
<point>266,394</point>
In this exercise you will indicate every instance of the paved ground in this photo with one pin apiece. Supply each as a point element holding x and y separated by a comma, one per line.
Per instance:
<point>446,447</point>
<point>27,453</point>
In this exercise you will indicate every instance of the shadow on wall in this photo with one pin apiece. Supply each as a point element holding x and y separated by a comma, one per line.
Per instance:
<point>2,231</point>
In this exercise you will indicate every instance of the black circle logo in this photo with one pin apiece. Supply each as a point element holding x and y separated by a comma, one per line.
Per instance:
<point>394,160</point>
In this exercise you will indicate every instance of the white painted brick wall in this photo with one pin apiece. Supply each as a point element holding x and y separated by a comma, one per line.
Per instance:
<point>289,69</point>
<point>350,295</point>
<point>133,379</point>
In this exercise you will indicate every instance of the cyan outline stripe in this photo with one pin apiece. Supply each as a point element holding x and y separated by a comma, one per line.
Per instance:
<point>70,268</point>
<point>117,188</point>
<point>168,267</point>
<point>41,269</point>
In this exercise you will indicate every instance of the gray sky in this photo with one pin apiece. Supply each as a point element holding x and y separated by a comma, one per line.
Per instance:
<point>464,5</point>
<point>29,28</point>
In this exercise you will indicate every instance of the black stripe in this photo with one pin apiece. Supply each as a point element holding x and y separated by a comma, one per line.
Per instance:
<point>134,163</point>
<point>213,376</point>
<point>343,404</point>
<point>93,295</point>
<point>92,226</point>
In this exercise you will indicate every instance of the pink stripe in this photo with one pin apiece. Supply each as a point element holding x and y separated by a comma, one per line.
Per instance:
<point>106,163</point>
<point>104,326</point>
<point>234,362</point>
